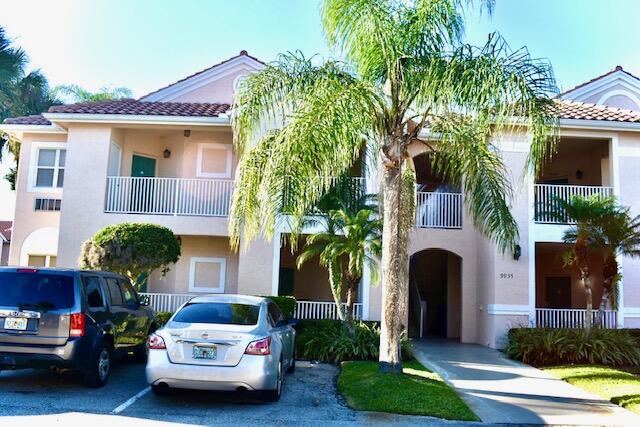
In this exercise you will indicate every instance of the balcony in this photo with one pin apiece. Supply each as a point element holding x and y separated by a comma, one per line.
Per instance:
<point>438,210</point>
<point>561,318</point>
<point>168,196</point>
<point>546,198</point>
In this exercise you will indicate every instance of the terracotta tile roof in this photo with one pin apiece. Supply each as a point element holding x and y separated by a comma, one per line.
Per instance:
<point>242,53</point>
<point>617,68</point>
<point>133,107</point>
<point>27,120</point>
<point>584,111</point>
<point>5,229</point>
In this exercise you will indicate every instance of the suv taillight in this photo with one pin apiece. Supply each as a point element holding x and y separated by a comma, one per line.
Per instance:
<point>259,348</point>
<point>155,342</point>
<point>77,325</point>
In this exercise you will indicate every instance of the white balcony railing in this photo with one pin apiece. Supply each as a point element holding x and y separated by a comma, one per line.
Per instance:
<point>165,302</point>
<point>168,196</point>
<point>438,210</point>
<point>571,318</point>
<point>546,196</point>
<point>322,310</point>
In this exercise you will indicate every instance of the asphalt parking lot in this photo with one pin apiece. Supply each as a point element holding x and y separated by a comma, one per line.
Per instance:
<point>31,397</point>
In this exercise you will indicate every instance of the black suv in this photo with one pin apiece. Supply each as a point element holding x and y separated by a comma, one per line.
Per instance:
<point>70,319</point>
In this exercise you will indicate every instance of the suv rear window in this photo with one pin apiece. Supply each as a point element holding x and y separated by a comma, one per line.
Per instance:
<point>36,290</point>
<point>219,312</point>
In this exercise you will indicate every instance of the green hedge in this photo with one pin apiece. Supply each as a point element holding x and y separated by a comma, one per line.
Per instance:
<point>162,317</point>
<point>287,304</point>
<point>548,347</point>
<point>330,341</point>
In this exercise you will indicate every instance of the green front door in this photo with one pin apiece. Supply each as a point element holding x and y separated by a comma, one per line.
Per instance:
<point>143,166</point>
<point>143,198</point>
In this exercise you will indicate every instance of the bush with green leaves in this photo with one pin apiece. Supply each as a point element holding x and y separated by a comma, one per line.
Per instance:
<point>287,304</point>
<point>548,347</point>
<point>331,341</point>
<point>131,249</point>
<point>162,317</point>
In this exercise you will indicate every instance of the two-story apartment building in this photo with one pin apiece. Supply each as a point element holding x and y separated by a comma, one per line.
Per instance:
<point>167,158</point>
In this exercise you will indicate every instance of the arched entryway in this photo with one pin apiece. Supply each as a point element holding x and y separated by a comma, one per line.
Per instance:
<point>435,294</point>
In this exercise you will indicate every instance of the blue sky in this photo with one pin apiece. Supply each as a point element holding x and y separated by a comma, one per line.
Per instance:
<point>145,44</point>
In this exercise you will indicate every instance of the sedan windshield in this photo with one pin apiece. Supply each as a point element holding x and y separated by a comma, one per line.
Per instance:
<point>40,291</point>
<point>218,312</point>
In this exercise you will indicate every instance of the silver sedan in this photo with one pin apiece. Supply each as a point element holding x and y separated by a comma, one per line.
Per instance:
<point>223,342</point>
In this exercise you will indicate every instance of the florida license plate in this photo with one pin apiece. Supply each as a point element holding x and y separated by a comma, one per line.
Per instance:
<point>200,352</point>
<point>15,323</point>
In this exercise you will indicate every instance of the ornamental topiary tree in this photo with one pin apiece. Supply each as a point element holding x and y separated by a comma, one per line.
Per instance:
<point>131,249</point>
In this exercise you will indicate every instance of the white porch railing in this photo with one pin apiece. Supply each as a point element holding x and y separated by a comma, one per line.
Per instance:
<point>165,302</point>
<point>571,318</point>
<point>438,210</point>
<point>546,196</point>
<point>322,310</point>
<point>168,196</point>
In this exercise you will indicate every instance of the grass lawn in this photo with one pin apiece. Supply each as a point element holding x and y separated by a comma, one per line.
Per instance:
<point>620,387</point>
<point>416,392</point>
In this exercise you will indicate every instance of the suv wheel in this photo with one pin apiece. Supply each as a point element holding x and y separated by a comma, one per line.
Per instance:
<point>98,372</point>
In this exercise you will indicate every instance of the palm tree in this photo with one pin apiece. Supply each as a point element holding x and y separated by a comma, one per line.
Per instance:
<point>351,240</point>
<point>615,234</point>
<point>585,212</point>
<point>405,71</point>
<point>21,94</point>
<point>75,93</point>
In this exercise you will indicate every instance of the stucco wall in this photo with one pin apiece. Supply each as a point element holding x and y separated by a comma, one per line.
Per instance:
<point>177,279</point>
<point>26,219</point>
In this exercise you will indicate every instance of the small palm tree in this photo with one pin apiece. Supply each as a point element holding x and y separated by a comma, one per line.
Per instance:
<point>405,72</point>
<point>75,93</point>
<point>615,234</point>
<point>585,212</point>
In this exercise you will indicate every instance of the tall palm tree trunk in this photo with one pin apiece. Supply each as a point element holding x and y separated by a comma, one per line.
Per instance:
<point>335,282</point>
<point>610,271</point>
<point>395,267</point>
<point>581,251</point>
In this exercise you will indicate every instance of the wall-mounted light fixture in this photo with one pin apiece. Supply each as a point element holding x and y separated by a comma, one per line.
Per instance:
<point>187,133</point>
<point>517,252</point>
<point>579,174</point>
<point>166,153</point>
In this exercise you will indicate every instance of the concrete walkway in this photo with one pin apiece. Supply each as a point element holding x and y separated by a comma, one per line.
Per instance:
<point>500,390</point>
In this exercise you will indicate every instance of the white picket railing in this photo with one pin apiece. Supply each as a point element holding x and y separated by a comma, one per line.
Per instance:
<point>322,310</point>
<point>546,196</point>
<point>165,302</point>
<point>438,210</point>
<point>168,196</point>
<point>571,318</point>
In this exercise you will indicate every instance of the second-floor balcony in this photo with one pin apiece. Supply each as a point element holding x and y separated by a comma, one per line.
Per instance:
<point>168,196</point>
<point>438,209</point>
<point>546,197</point>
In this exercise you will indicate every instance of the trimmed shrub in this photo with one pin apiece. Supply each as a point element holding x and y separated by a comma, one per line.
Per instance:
<point>162,317</point>
<point>287,304</point>
<point>548,347</point>
<point>330,341</point>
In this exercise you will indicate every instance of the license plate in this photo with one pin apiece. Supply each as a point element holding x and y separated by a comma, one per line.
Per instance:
<point>15,323</point>
<point>204,352</point>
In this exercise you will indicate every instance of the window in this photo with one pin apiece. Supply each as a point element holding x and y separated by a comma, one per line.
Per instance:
<point>50,168</point>
<point>47,204</point>
<point>218,312</point>
<point>42,260</point>
<point>214,160</point>
<point>275,314</point>
<point>207,274</point>
<point>40,290</point>
<point>129,293</point>
<point>114,291</point>
<point>94,292</point>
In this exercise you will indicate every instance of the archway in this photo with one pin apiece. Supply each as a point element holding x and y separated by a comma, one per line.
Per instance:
<point>41,243</point>
<point>435,294</point>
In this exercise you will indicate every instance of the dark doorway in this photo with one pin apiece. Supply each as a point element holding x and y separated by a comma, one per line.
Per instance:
<point>285,281</point>
<point>557,291</point>
<point>435,294</point>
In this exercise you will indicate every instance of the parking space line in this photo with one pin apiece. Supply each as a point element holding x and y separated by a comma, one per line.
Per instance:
<point>131,401</point>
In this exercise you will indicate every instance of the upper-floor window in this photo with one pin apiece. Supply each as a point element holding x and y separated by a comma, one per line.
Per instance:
<point>50,172</point>
<point>214,160</point>
<point>48,160</point>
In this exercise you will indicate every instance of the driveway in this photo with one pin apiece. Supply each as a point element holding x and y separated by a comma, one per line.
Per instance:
<point>43,398</point>
<point>500,390</point>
